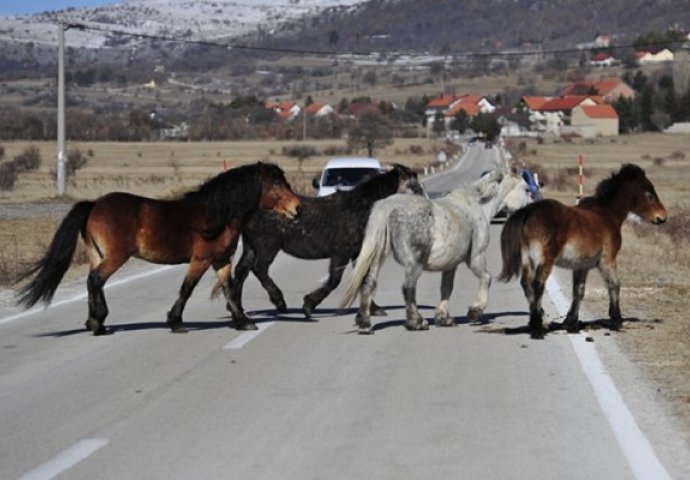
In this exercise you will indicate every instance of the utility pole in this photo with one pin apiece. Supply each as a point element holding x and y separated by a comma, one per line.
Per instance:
<point>61,156</point>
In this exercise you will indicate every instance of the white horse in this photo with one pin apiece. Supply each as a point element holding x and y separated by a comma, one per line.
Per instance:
<point>433,235</point>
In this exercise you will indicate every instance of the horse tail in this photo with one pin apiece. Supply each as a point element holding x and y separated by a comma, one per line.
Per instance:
<point>374,247</point>
<point>511,244</point>
<point>50,269</point>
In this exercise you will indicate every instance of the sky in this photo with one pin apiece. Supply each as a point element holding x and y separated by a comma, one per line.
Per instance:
<point>22,7</point>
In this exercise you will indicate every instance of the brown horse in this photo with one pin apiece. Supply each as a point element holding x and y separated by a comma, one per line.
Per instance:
<point>548,233</point>
<point>201,228</point>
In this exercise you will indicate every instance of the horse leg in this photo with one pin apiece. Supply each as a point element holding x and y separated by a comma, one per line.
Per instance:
<point>477,265</point>
<point>194,273</point>
<point>572,323</point>
<point>442,317</point>
<point>242,322</point>
<point>536,313</point>
<point>608,272</point>
<point>366,295</point>
<point>98,308</point>
<point>260,268</point>
<point>415,321</point>
<point>335,274</point>
<point>374,309</point>
<point>236,282</point>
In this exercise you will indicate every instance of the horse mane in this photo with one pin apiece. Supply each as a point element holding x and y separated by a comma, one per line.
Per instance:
<point>378,186</point>
<point>608,188</point>
<point>233,193</point>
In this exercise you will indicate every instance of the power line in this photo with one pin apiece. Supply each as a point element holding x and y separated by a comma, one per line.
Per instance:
<point>335,53</point>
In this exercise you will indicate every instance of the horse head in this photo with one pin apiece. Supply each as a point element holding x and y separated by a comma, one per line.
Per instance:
<point>517,191</point>
<point>408,181</point>
<point>276,194</point>
<point>645,202</point>
<point>486,187</point>
<point>629,190</point>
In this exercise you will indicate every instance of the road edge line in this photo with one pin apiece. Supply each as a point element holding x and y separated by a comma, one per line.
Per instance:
<point>65,459</point>
<point>635,446</point>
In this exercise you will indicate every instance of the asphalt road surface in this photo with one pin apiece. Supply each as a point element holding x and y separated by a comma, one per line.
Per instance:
<point>312,399</point>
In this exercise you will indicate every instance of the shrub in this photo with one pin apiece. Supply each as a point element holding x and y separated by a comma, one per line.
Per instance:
<point>416,149</point>
<point>8,176</point>
<point>299,151</point>
<point>75,160</point>
<point>29,159</point>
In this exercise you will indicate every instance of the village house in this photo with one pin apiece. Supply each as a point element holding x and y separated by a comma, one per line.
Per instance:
<point>594,120</point>
<point>529,105</point>
<point>654,56</point>
<point>610,89</point>
<point>318,110</point>
<point>558,111</point>
<point>602,60</point>
<point>286,111</point>
<point>449,106</point>
<point>602,40</point>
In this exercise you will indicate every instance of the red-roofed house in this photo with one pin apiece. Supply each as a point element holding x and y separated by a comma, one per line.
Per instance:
<point>557,111</point>
<point>318,110</point>
<point>285,110</point>
<point>603,118</point>
<point>602,60</point>
<point>609,88</point>
<point>450,105</point>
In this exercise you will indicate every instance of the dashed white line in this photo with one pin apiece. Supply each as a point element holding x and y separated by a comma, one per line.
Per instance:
<point>634,444</point>
<point>66,459</point>
<point>246,337</point>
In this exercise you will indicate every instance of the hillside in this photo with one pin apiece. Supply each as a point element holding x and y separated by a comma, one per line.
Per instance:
<point>27,43</point>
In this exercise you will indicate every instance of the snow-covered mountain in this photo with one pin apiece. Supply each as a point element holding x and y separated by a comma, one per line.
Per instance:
<point>212,20</point>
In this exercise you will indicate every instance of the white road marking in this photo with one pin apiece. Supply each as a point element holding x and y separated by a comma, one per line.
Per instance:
<point>636,448</point>
<point>82,296</point>
<point>246,337</point>
<point>66,459</point>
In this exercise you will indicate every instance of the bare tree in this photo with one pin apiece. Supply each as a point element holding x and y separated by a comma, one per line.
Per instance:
<point>372,131</point>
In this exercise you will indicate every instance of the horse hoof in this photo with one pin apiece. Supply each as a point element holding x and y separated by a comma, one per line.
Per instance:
<point>537,335</point>
<point>573,328</point>
<point>612,325</point>
<point>281,306</point>
<point>418,327</point>
<point>307,310</point>
<point>178,329</point>
<point>444,321</point>
<point>474,316</point>
<point>248,327</point>
<point>365,331</point>
<point>101,331</point>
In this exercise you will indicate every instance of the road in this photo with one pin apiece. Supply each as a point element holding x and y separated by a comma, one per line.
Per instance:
<point>312,399</point>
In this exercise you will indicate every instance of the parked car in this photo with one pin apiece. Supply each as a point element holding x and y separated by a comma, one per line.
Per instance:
<point>345,173</point>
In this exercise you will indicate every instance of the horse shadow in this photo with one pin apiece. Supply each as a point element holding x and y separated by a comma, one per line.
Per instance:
<point>585,326</point>
<point>486,319</point>
<point>133,327</point>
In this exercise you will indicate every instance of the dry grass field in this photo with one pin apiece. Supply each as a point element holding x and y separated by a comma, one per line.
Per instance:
<point>654,264</point>
<point>163,168</point>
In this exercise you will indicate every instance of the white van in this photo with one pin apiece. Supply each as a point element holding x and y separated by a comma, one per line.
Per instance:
<point>345,173</point>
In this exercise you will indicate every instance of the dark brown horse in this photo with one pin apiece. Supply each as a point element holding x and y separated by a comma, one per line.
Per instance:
<point>588,235</point>
<point>201,228</point>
